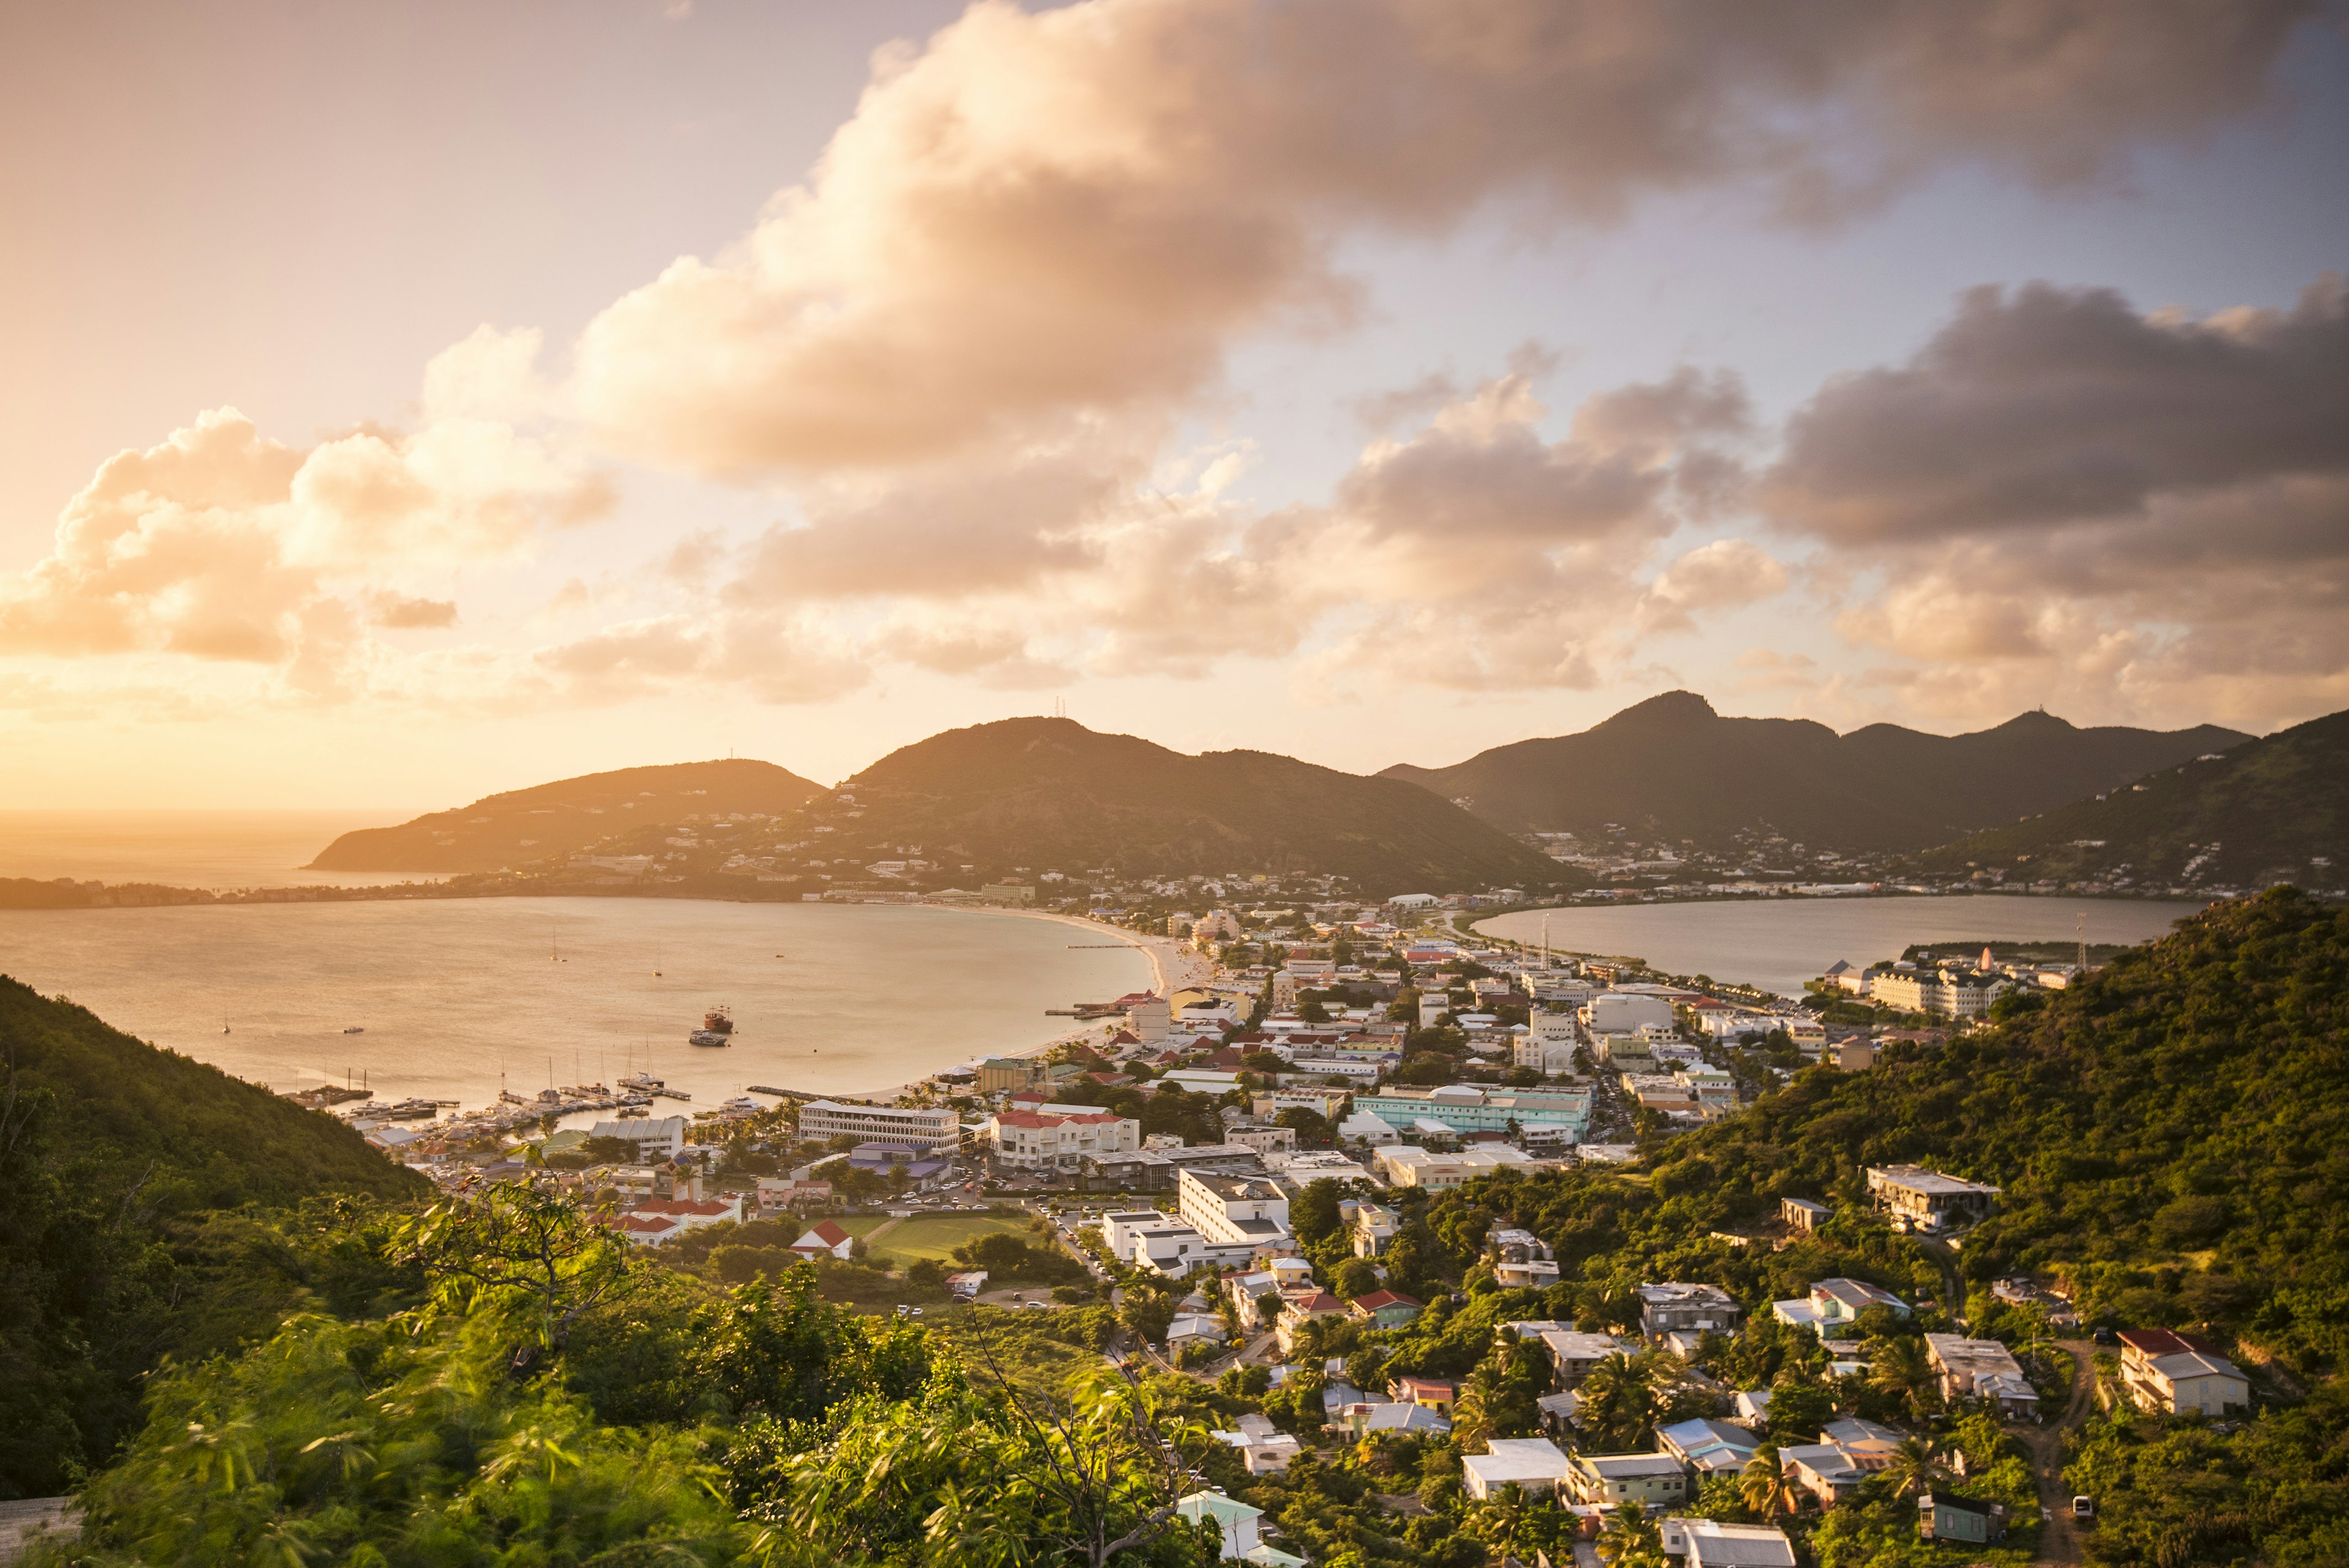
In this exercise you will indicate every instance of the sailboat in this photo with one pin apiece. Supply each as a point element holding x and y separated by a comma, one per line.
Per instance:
<point>657,961</point>
<point>554,949</point>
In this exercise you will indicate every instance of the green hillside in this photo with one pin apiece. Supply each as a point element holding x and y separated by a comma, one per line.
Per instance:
<point>118,1161</point>
<point>1673,767</point>
<point>524,826</point>
<point>1048,793</point>
<point>2271,810</point>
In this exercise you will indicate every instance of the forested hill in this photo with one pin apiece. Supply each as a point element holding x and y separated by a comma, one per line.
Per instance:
<point>1050,794</point>
<point>526,825</point>
<point>1673,767</point>
<point>2272,809</point>
<point>114,1158</point>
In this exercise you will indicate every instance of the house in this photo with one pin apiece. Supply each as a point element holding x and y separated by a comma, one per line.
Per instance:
<point>1236,1519</point>
<point>966,1285</point>
<point>1052,1140</point>
<point>1678,1305</point>
<point>1233,1210</point>
<point>1831,1472</point>
<point>2176,1372</point>
<point>1263,1450</point>
<point>1834,1305</point>
<point>1574,1354</point>
<point>1708,1447</point>
<point>1384,1309</point>
<point>1428,1393</point>
<point>1302,1311</point>
<point>1373,1228</point>
<point>1708,1543</point>
<point>1559,1411</point>
<point>1190,1328</point>
<point>1927,1199</point>
<point>1802,1214</point>
<point>1521,1261</point>
<point>1364,1418</point>
<point>826,1237</point>
<point>1611,1480</point>
<point>1535,1466</point>
<point>1844,976</point>
<point>1983,1369</point>
<point>643,1230</point>
<point>1752,1406</point>
<point>1942,1516</point>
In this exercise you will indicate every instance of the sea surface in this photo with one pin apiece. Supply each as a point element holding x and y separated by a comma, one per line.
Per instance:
<point>216,849</point>
<point>457,997</point>
<point>1779,943</point>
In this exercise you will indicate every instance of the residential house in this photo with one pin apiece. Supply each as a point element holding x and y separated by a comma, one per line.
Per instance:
<point>1373,1228</point>
<point>1572,1353</point>
<point>1384,1309</point>
<point>1046,1142</point>
<point>1943,1516</point>
<point>1364,1418</point>
<point>1263,1139</point>
<point>1521,1259</point>
<point>1263,1449</point>
<point>1708,1543</point>
<point>1708,1447</point>
<point>1983,1369</point>
<point>1188,1329</point>
<point>1834,1305</point>
<point>1829,1471</point>
<point>1611,1480</point>
<point>1751,1405</point>
<point>1927,1199</point>
<point>1413,1165</point>
<point>1236,1519</point>
<point>1302,1311</point>
<point>1802,1214</point>
<point>2176,1372</point>
<point>826,1237</point>
<point>1675,1304</point>
<point>1535,1466</point>
<point>1560,1412</point>
<point>1428,1393</point>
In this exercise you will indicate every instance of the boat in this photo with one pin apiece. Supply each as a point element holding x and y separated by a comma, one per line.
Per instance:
<point>356,1029</point>
<point>717,1029</point>
<point>639,1081</point>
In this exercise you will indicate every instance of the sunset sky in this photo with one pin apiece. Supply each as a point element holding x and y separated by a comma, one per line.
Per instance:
<point>407,403</point>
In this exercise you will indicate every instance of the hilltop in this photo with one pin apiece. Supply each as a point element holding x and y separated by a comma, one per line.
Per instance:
<point>117,1160</point>
<point>1672,768</point>
<point>1048,793</point>
<point>2270,810</point>
<point>560,818</point>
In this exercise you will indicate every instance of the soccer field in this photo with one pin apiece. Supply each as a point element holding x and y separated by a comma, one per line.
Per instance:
<point>935,1236</point>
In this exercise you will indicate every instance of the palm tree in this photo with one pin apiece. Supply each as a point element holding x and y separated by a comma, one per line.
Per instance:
<point>1916,1466</point>
<point>1764,1486</point>
<point>1902,1367</point>
<point>1619,1399</point>
<point>1631,1539</point>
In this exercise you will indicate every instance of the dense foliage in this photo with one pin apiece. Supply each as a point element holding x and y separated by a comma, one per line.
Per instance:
<point>134,1182</point>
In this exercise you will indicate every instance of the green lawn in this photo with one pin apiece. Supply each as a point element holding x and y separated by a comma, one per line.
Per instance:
<point>935,1236</point>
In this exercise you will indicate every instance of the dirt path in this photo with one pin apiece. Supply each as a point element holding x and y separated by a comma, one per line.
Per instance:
<point>2059,1541</point>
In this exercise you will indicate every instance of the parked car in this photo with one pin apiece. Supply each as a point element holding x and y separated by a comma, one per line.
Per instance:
<point>2082,1508</point>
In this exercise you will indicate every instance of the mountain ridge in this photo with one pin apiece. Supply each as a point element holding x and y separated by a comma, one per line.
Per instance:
<point>1675,765</point>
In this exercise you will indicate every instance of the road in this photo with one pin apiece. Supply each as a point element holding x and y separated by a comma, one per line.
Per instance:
<point>2059,1542</point>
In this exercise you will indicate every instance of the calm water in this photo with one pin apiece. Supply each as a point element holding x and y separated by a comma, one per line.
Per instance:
<point>1781,943</point>
<point>186,848</point>
<point>827,998</point>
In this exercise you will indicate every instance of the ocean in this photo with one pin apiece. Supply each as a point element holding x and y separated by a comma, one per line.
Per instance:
<point>1779,943</point>
<point>457,997</point>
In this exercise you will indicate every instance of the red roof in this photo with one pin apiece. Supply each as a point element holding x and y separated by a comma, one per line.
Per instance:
<point>643,1224</point>
<point>1427,1385</point>
<point>1320,1301</point>
<point>1033,1119</point>
<point>826,1232</point>
<point>1378,1299</point>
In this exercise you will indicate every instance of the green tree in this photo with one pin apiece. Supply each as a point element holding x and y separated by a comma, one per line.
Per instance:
<point>1917,1466</point>
<point>1630,1538</point>
<point>1764,1485</point>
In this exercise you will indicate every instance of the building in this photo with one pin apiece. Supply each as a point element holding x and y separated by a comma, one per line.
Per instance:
<point>1408,1165</point>
<point>1191,1328</point>
<point>825,1238</point>
<point>1832,1306</point>
<point>1983,1369</point>
<point>2175,1373</point>
<point>1236,1519</point>
<point>1047,1142</point>
<point>1373,1228</point>
<point>1802,1214</point>
<point>1611,1480</point>
<point>1264,1140</point>
<point>1428,1393</point>
<point>1155,1169</point>
<point>1846,977</point>
<point>1521,1259</point>
<point>1535,1466</point>
<point>656,1137</point>
<point>1572,1353</point>
<point>1707,1543</point>
<point>1471,1108</point>
<point>1384,1309</point>
<point>1708,1447</point>
<point>1009,1075</point>
<point>1548,1044</point>
<point>1675,1306</point>
<point>1928,1200</point>
<point>820,1121</point>
<point>1020,894</point>
<point>1626,1013</point>
<point>1946,1517</point>
<point>1943,990</point>
<point>1829,1471</point>
<point>1305,1309</point>
<point>1233,1210</point>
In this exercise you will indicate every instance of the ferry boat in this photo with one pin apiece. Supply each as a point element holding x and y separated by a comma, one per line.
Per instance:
<point>717,1029</point>
<point>640,1080</point>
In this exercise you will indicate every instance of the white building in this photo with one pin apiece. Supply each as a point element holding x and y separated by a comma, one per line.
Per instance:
<point>1409,1165</point>
<point>1707,1543</point>
<point>656,1137</point>
<point>1533,1465</point>
<point>1548,1044</point>
<point>1626,1013</point>
<point>1044,1141</point>
<point>820,1121</point>
<point>1234,1210</point>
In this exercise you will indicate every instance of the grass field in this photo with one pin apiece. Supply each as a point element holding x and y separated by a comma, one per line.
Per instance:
<point>935,1236</point>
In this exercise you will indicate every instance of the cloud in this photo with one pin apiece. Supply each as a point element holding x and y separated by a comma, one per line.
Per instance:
<point>2064,498</point>
<point>1039,216</point>
<point>402,613</point>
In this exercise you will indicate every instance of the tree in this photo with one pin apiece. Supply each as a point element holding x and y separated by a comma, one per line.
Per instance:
<point>1917,1465</point>
<point>1902,1369</point>
<point>1620,1401</point>
<point>1630,1538</point>
<point>1764,1486</point>
<point>1356,1277</point>
<point>533,1260</point>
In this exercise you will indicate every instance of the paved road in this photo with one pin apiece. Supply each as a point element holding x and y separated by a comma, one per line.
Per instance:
<point>2059,1542</point>
<point>30,1516</point>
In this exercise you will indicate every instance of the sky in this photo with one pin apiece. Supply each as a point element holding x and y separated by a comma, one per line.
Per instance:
<point>406,403</point>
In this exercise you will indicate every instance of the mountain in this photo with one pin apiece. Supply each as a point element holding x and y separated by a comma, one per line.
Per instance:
<point>126,1172</point>
<point>1673,768</point>
<point>1050,794</point>
<point>2271,810</point>
<point>526,825</point>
